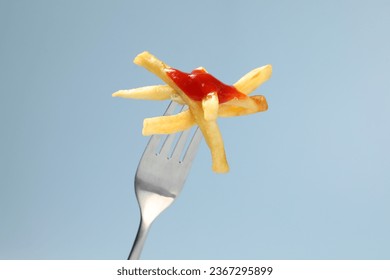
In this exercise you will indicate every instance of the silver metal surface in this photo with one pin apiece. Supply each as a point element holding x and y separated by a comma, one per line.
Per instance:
<point>160,176</point>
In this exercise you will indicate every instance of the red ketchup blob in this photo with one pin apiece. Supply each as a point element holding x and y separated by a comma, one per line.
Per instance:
<point>198,84</point>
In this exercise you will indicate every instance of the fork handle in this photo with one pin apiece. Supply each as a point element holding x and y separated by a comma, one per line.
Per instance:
<point>139,241</point>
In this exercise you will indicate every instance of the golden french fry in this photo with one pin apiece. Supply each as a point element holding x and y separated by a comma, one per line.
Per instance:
<point>246,103</point>
<point>159,92</point>
<point>209,129</point>
<point>210,106</point>
<point>168,124</point>
<point>230,110</point>
<point>185,120</point>
<point>154,65</point>
<point>214,140</point>
<point>253,79</point>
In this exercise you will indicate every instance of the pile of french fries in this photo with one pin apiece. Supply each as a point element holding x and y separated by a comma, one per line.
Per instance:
<point>202,113</point>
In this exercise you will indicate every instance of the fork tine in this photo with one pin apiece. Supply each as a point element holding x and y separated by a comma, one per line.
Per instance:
<point>178,150</point>
<point>192,147</point>
<point>166,147</point>
<point>171,107</point>
<point>152,145</point>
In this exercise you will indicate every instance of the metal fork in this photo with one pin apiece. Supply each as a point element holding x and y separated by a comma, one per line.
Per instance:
<point>160,177</point>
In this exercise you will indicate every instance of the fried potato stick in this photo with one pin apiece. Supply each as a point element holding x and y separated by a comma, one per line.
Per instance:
<point>158,92</point>
<point>210,106</point>
<point>252,80</point>
<point>168,124</point>
<point>185,120</point>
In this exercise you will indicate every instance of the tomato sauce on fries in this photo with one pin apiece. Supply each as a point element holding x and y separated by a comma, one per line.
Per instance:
<point>207,99</point>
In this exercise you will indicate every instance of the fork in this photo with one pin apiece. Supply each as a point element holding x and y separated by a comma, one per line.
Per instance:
<point>160,176</point>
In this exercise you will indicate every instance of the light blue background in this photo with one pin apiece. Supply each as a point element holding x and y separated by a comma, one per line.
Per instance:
<point>310,178</point>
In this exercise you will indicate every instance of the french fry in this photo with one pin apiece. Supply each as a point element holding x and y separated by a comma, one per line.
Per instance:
<point>185,120</point>
<point>214,140</point>
<point>209,129</point>
<point>168,124</point>
<point>252,80</point>
<point>230,110</point>
<point>210,106</point>
<point>159,92</point>
<point>154,65</point>
<point>246,103</point>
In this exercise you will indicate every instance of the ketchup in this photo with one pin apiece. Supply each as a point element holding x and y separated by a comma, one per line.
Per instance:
<point>198,84</point>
